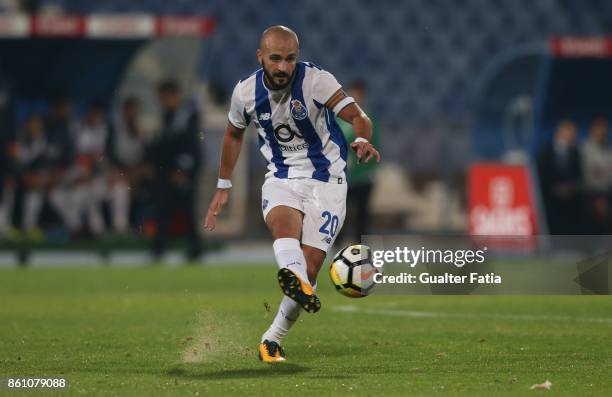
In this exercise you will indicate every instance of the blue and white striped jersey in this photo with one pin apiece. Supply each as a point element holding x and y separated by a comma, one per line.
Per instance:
<point>298,135</point>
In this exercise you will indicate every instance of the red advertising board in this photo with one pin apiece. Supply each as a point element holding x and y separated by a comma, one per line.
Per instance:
<point>57,26</point>
<point>104,26</point>
<point>581,47</point>
<point>500,200</point>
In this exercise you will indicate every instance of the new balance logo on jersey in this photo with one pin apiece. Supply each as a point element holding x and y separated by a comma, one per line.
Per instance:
<point>264,116</point>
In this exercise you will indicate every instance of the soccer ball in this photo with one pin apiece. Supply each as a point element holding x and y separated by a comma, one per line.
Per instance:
<point>352,271</point>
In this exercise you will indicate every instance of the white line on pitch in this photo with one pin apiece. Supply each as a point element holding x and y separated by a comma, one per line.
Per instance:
<point>467,316</point>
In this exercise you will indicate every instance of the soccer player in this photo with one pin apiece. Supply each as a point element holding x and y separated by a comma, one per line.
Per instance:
<point>293,106</point>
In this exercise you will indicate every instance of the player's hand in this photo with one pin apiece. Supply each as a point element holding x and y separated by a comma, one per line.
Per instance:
<point>365,151</point>
<point>215,207</point>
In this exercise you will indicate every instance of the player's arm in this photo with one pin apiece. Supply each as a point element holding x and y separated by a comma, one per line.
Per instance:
<point>230,150</point>
<point>362,125</point>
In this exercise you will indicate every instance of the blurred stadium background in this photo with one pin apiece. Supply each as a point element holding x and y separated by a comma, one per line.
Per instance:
<point>467,97</point>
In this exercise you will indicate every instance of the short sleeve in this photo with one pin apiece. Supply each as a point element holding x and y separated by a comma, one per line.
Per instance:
<point>324,85</point>
<point>236,114</point>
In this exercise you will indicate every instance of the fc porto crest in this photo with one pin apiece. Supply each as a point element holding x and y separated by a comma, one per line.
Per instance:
<point>298,110</point>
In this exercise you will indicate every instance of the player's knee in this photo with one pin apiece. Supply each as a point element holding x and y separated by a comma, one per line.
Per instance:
<point>284,230</point>
<point>284,224</point>
<point>314,259</point>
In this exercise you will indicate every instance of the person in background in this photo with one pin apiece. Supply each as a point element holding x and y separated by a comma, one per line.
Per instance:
<point>91,167</point>
<point>32,159</point>
<point>7,152</point>
<point>177,157</point>
<point>59,129</point>
<point>360,178</point>
<point>127,146</point>
<point>59,133</point>
<point>8,155</point>
<point>597,169</point>
<point>560,171</point>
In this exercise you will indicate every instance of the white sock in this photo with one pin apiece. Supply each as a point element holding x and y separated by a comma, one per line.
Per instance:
<point>289,254</point>
<point>94,207</point>
<point>33,203</point>
<point>288,313</point>
<point>6,209</point>
<point>68,202</point>
<point>3,220</point>
<point>120,200</point>
<point>4,223</point>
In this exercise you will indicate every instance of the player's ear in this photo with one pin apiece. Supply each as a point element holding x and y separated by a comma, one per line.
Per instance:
<point>260,56</point>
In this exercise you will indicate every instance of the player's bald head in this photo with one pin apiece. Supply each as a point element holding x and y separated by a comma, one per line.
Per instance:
<point>278,35</point>
<point>278,54</point>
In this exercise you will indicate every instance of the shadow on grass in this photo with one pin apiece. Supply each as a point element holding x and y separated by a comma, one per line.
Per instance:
<point>238,373</point>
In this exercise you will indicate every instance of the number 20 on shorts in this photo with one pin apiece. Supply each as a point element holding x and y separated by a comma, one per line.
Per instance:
<point>330,224</point>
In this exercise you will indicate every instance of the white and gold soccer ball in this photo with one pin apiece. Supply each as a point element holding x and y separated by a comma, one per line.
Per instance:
<point>352,271</point>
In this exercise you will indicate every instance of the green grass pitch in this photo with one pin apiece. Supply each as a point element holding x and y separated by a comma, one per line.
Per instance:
<point>193,331</point>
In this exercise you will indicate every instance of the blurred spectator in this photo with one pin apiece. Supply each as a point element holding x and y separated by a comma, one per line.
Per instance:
<point>7,182</point>
<point>59,134</point>
<point>91,137</point>
<point>560,174</point>
<point>597,170</point>
<point>360,176</point>
<point>176,155</point>
<point>59,128</point>
<point>33,156</point>
<point>126,151</point>
<point>29,6</point>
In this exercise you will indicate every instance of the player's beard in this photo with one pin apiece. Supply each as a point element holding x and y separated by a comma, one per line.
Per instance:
<point>270,79</point>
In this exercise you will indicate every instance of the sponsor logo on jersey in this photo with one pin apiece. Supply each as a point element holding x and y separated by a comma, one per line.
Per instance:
<point>298,110</point>
<point>294,148</point>
<point>264,116</point>
<point>284,133</point>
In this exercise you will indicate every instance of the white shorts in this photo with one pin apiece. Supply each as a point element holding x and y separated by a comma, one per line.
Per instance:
<point>323,205</point>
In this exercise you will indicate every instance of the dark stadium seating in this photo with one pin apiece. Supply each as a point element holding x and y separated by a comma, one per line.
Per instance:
<point>422,59</point>
<point>421,50</point>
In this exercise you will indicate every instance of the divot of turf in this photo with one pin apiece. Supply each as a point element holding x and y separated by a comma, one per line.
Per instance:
<point>215,338</point>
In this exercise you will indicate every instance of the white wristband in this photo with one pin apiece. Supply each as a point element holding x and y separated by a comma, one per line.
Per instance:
<point>360,139</point>
<point>224,183</point>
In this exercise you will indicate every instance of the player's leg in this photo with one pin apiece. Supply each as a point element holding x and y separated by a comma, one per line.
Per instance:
<point>164,195</point>
<point>195,245</point>
<point>120,201</point>
<point>65,201</point>
<point>281,211</point>
<point>7,195</point>
<point>285,224</point>
<point>33,203</point>
<point>314,260</point>
<point>283,214</point>
<point>323,219</point>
